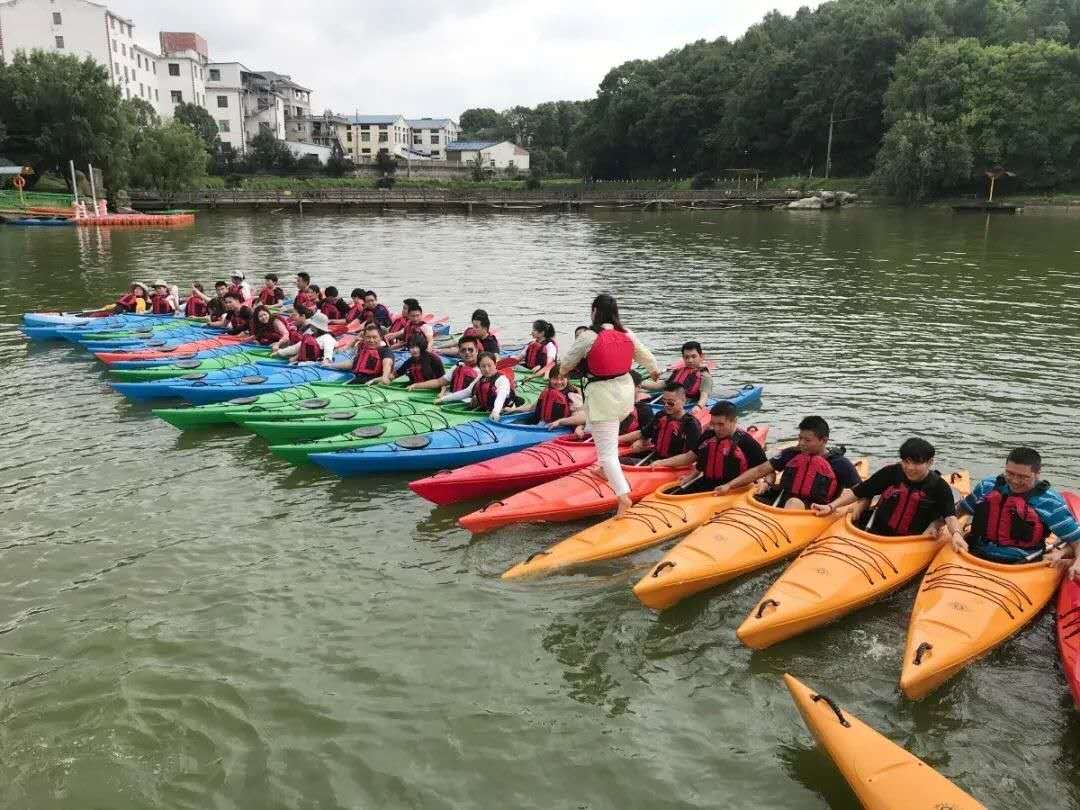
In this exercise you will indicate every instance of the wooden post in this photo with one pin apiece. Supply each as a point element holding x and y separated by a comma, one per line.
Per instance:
<point>991,198</point>
<point>74,181</point>
<point>828,151</point>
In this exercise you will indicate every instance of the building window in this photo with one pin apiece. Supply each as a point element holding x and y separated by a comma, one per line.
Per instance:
<point>435,153</point>
<point>264,126</point>
<point>56,18</point>
<point>215,75</point>
<point>174,69</point>
<point>115,47</point>
<point>154,66</point>
<point>177,97</point>
<point>156,96</point>
<point>125,73</point>
<point>434,137</point>
<point>113,21</point>
<point>223,102</point>
<point>223,125</point>
<point>364,127</point>
<point>299,110</point>
<point>60,42</point>
<point>365,136</point>
<point>416,139</point>
<point>140,89</point>
<point>384,137</point>
<point>299,127</point>
<point>117,66</point>
<point>365,151</point>
<point>348,136</point>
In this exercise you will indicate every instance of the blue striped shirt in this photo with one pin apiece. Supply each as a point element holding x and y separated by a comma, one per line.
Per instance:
<point>1051,507</point>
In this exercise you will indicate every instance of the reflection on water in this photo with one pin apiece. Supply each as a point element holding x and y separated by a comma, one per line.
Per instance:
<point>186,621</point>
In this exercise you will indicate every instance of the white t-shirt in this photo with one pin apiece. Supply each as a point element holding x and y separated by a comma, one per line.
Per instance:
<point>502,392</point>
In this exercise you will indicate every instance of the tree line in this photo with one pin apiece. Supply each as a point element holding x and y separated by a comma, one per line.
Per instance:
<point>924,94</point>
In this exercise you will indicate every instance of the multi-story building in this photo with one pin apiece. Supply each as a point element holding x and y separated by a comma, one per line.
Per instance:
<point>329,130</point>
<point>181,70</point>
<point>368,135</point>
<point>296,104</point>
<point>429,136</point>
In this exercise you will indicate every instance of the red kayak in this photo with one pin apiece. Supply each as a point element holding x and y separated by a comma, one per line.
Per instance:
<point>1068,621</point>
<point>177,352</point>
<point>512,473</point>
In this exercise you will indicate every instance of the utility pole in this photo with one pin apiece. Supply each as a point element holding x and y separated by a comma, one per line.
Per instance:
<point>828,151</point>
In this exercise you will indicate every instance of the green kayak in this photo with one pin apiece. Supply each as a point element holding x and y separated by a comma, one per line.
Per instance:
<point>374,434</point>
<point>169,370</point>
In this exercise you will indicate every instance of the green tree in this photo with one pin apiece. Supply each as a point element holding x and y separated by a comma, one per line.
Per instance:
<point>141,114</point>
<point>59,108</point>
<point>920,157</point>
<point>169,159</point>
<point>475,119</point>
<point>338,164</point>
<point>268,154</point>
<point>200,122</point>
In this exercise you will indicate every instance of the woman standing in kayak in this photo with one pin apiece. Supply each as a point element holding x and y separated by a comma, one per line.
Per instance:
<point>609,350</point>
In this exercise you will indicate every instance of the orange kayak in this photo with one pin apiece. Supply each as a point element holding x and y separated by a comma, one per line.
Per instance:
<point>749,536</point>
<point>883,775</point>
<point>967,606</point>
<point>841,571</point>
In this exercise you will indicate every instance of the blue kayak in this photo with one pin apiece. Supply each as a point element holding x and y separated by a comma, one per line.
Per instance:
<point>49,325</point>
<point>50,222</point>
<point>465,444</point>
<point>202,388</point>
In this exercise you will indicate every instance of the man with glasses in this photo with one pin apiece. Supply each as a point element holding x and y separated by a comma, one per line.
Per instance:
<point>459,377</point>
<point>1013,514</point>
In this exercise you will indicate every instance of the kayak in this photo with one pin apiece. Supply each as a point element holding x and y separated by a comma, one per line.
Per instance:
<point>170,359</point>
<point>284,430</point>
<point>658,517</point>
<point>841,571</point>
<point>965,607</point>
<point>314,396</point>
<point>138,342</point>
<point>750,536</point>
<point>179,368</point>
<point>467,443</point>
<point>1068,635</point>
<point>365,436</point>
<point>217,386</point>
<point>173,351</point>
<point>883,775</point>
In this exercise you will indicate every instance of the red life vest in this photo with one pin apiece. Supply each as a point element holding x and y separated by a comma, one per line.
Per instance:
<point>330,309</point>
<point>161,305</point>
<point>195,307</point>
<point>901,510</point>
<point>270,296</point>
<point>670,439</point>
<point>484,392</point>
<point>413,329</point>
<point>1009,520</point>
<point>236,322</point>
<point>462,376</point>
<point>421,372</point>
<point>368,362</point>
<point>309,348</point>
<point>809,478</point>
<point>552,404</point>
<point>236,290</point>
<point>724,459</point>
<point>267,334</point>
<point>536,354</point>
<point>306,299</point>
<point>127,302</point>
<point>398,324</point>
<point>630,423</point>
<point>689,379</point>
<point>611,355</point>
<point>356,311</point>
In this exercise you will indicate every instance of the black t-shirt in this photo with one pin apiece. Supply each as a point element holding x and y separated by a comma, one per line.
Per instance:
<point>686,436</point>
<point>238,321</point>
<point>937,504</point>
<point>754,452</point>
<point>644,413</point>
<point>846,474</point>
<point>384,353</point>
<point>434,370</point>
<point>490,344</point>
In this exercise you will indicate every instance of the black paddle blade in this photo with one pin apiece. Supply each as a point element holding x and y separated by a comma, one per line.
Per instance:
<point>188,363</point>
<point>254,379</point>
<point>243,400</point>
<point>198,375</point>
<point>341,415</point>
<point>313,404</point>
<point>413,442</point>
<point>369,431</point>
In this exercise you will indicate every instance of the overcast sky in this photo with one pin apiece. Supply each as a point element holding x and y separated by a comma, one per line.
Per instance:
<point>439,57</point>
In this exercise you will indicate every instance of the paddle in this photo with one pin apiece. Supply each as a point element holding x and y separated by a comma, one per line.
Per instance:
<point>682,487</point>
<point>639,463</point>
<point>1035,554</point>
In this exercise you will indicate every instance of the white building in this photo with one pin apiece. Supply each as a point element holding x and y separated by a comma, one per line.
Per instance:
<point>430,136</point>
<point>368,135</point>
<point>245,102</point>
<point>493,155</point>
<point>181,70</point>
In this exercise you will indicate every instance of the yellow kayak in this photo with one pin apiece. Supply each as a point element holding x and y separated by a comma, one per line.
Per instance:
<point>883,775</point>
<point>839,572</point>
<point>658,517</point>
<point>749,536</point>
<point>967,606</point>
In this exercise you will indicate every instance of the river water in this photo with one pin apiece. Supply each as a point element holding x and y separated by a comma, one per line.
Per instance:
<point>187,622</point>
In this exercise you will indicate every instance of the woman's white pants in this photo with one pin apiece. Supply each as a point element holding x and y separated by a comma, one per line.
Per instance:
<point>605,436</point>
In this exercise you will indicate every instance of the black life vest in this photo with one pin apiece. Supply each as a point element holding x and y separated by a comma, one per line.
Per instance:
<point>722,460</point>
<point>670,435</point>
<point>161,305</point>
<point>368,362</point>
<point>195,307</point>
<point>551,405</point>
<point>689,379</point>
<point>310,349</point>
<point>611,355</point>
<point>1009,520</point>
<point>536,354</point>
<point>809,478</point>
<point>903,509</point>
<point>462,376</point>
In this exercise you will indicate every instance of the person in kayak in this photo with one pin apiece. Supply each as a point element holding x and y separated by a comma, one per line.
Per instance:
<point>195,305</point>
<point>481,332</point>
<point>162,302</point>
<point>459,377</point>
<point>271,293</point>
<point>355,312</point>
<point>313,344</point>
<point>609,349</point>
<point>543,351</point>
<point>135,300</point>
<point>421,365</point>
<point>304,295</point>
<point>374,312</point>
<point>332,306</point>
<point>809,473</point>
<point>267,328</point>
<point>374,361</point>
<point>237,318</point>
<point>672,433</point>
<point>240,287</point>
<point>913,498</point>
<point>414,325</point>
<point>555,404</point>
<point>693,376</point>
<point>489,392</point>
<point>1012,514</point>
<point>723,452</point>
<point>399,321</point>
<point>215,304</point>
